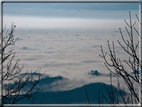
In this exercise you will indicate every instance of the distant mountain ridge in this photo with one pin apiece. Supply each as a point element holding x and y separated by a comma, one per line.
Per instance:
<point>96,73</point>
<point>74,96</point>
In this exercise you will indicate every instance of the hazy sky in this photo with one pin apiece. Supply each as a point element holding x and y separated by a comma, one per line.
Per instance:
<point>77,9</point>
<point>64,15</point>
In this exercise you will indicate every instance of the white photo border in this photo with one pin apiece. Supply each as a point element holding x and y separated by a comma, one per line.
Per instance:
<point>68,1</point>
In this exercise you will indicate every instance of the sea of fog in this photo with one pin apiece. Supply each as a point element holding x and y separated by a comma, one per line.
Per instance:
<point>70,53</point>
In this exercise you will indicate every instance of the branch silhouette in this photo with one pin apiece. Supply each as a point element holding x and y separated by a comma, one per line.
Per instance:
<point>14,85</point>
<point>115,65</point>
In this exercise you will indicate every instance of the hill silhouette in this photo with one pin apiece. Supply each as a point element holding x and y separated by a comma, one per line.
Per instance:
<point>94,72</point>
<point>74,96</point>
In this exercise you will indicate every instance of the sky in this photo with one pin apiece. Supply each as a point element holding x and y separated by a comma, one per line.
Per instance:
<point>69,14</point>
<point>64,39</point>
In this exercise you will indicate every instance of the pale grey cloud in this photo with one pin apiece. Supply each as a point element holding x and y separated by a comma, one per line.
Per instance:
<point>65,23</point>
<point>61,52</point>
